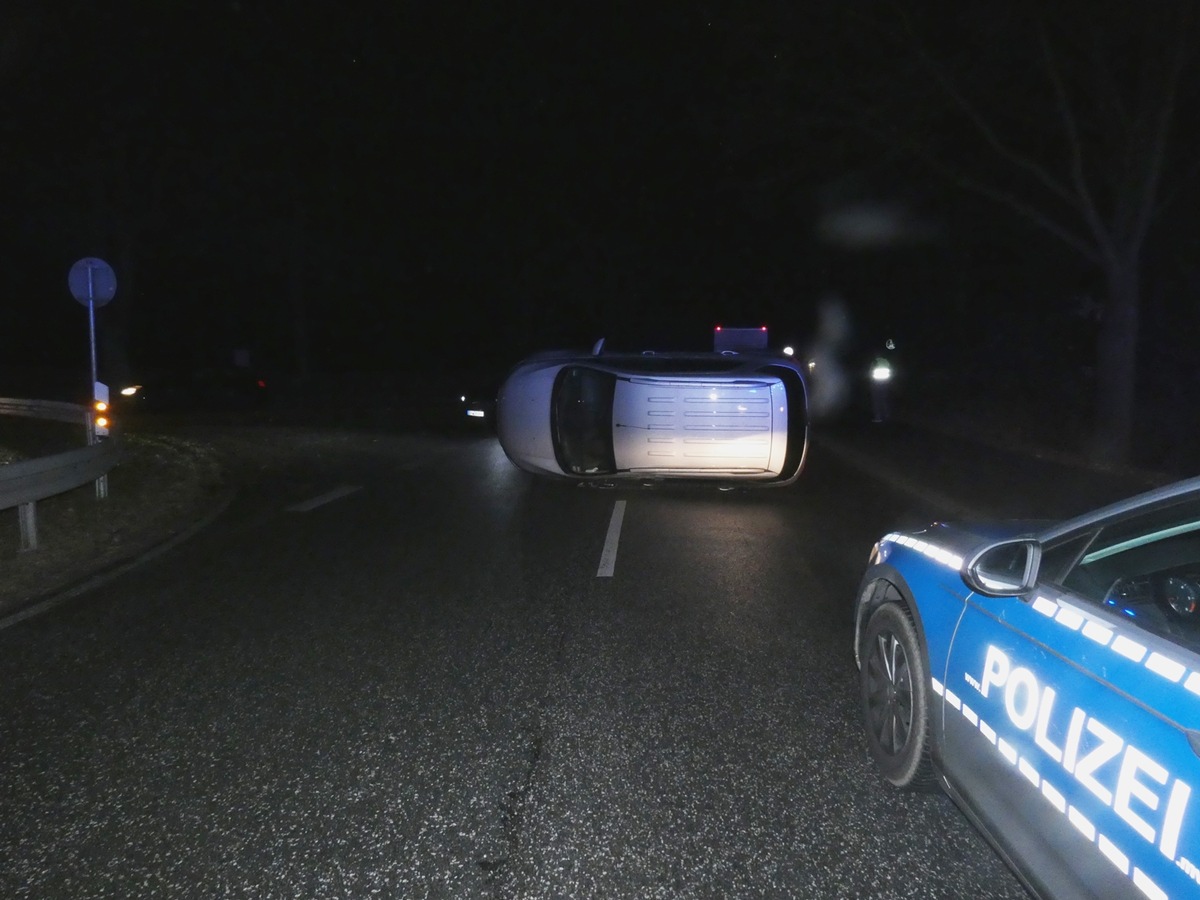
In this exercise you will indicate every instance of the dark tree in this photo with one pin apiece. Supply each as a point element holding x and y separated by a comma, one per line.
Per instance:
<point>1069,115</point>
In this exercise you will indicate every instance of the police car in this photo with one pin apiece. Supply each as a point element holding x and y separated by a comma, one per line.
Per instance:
<point>601,416</point>
<point>1048,678</point>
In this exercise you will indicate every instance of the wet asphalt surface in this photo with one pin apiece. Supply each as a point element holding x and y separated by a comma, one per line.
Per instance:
<point>422,688</point>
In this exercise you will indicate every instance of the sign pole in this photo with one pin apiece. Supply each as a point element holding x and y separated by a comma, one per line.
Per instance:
<point>91,294</point>
<point>93,283</point>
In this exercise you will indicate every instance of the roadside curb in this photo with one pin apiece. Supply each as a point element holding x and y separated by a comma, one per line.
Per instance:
<point>34,607</point>
<point>942,468</point>
<point>1062,457</point>
<point>911,487</point>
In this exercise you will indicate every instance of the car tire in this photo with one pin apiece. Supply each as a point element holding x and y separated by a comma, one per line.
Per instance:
<point>894,687</point>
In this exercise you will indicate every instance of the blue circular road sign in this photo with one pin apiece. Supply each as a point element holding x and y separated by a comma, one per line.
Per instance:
<point>92,281</point>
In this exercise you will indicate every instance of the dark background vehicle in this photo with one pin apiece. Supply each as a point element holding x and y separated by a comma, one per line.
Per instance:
<point>198,390</point>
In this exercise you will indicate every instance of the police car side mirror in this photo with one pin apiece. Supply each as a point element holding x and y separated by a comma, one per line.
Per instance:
<point>1004,569</point>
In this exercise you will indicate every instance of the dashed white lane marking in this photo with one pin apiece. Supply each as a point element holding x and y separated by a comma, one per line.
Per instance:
<point>608,559</point>
<point>336,494</point>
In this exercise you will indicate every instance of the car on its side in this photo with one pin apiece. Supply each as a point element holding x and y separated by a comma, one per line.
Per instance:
<point>1047,676</point>
<point>600,416</point>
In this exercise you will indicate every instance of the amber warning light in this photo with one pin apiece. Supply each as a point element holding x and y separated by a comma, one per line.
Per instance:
<point>100,416</point>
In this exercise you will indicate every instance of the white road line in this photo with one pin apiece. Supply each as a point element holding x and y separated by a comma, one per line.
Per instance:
<point>608,559</point>
<point>336,494</point>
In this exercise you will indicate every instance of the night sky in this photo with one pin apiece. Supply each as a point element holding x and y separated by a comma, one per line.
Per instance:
<point>387,186</point>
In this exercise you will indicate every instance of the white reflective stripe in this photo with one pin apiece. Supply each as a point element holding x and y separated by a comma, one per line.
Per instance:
<point>1044,606</point>
<point>1057,800</point>
<point>1098,633</point>
<point>932,551</point>
<point>1115,856</point>
<point>1129,648</point>
<point>970,715</point>
<point>1069,618</point>
<point>1193,683</point>
<point>1082,822</point>
<point>946,558</point>
<point>1007,750</point>
<point>1167,668</point>
<point>952,699</point>
<point>1147,886</point>
<point>1157,662</point>
<point>937,686</point>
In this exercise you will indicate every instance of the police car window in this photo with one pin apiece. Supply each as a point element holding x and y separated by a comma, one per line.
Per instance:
<point>1147,568</point>
<point>1060,559</point>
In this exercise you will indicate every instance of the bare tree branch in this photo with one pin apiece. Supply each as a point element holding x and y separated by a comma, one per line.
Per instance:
<point>1087,203</point>
<point>982,126</point>
<point>1028,211</point>
<point>1155,159</point>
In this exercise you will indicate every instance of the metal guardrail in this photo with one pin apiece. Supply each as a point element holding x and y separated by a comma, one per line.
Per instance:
<point>23,484</point>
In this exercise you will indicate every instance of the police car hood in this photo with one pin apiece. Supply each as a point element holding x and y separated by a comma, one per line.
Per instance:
<point>962,536</point>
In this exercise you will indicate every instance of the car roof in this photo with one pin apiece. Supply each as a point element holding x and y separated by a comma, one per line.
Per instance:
<point>1167,494</point>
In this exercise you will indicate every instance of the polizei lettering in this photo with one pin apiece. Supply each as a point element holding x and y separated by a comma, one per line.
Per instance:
<point>1120,775</point>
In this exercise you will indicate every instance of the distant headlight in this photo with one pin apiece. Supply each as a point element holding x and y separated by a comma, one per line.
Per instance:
<point>131,390</point>
<point>881,373</point>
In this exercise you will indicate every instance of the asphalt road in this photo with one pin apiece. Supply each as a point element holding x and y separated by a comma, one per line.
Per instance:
<point>398,667</point>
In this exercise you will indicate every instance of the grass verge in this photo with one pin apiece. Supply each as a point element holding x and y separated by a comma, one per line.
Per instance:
<point>163,486</point>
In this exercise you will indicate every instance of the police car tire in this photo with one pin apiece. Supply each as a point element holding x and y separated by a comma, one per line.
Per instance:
<point>905,760</point>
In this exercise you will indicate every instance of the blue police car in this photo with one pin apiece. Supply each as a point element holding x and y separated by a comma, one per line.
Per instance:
<point>1048,678</point>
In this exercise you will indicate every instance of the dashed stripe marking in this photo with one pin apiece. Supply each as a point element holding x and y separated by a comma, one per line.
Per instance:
<point>328,497</point>
<point>608,558</point>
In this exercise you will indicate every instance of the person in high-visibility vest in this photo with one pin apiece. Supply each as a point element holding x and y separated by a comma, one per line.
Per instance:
<point>881,377</point>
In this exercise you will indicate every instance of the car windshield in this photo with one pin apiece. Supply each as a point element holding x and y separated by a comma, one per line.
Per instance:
<point>581,420</point>
<point>1147,567</point>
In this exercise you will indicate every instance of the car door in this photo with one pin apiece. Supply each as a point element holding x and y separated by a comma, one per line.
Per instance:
<point>1070,733</point>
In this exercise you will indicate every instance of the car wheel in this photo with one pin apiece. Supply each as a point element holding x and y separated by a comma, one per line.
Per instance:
<point>894,684</point>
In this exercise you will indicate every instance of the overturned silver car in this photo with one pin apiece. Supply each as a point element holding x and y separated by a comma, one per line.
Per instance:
<point>605,416</point>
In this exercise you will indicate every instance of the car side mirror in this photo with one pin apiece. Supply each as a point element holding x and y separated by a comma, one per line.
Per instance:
<point>1004,569</point>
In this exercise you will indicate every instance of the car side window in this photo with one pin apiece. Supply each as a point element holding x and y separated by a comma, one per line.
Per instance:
<point>1061,559</point>
<point>1146,568</point>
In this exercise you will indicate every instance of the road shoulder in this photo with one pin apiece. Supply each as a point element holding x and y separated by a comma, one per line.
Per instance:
<point>164,490</point>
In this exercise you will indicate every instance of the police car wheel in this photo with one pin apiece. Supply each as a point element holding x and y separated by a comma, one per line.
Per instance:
<point>894,687</point>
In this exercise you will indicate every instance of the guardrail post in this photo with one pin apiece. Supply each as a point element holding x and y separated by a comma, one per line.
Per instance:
<point>92,438</point>
<point>27,513</point>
